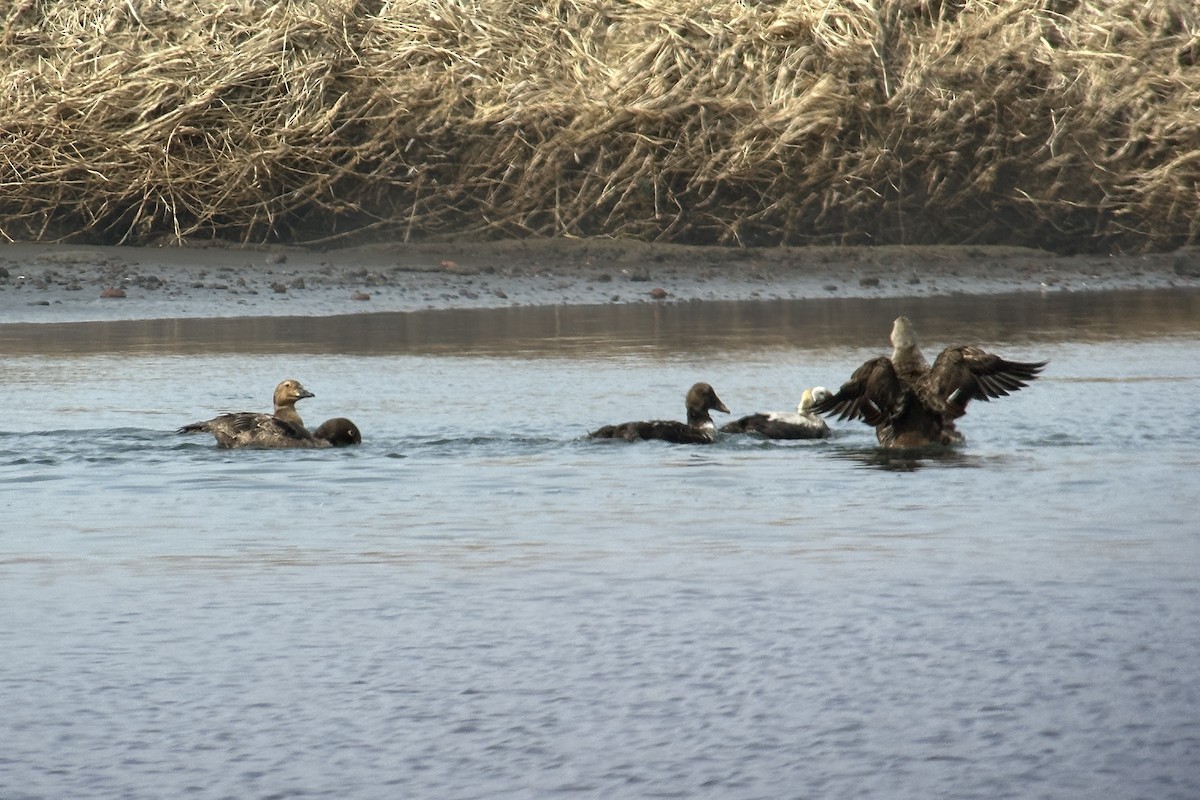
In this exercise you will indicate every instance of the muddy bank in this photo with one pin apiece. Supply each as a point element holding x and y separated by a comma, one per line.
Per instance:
<point>57,283</point>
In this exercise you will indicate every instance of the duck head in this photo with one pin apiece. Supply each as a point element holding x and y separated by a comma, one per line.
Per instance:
<point>903,333</point>
<point>339,432</point>
<point>701,397</point>
<point>289,391</point>
<point>814,395</point>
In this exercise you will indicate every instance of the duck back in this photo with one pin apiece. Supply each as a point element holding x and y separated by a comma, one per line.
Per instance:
<point>664,430</point>
<point>776,425</point>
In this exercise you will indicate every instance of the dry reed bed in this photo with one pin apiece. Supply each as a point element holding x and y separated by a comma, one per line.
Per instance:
<point>1069,125</point>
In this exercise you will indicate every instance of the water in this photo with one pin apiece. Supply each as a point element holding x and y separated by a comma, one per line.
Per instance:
<point>479,603</point>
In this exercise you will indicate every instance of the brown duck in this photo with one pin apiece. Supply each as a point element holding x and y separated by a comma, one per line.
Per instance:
<point>699,428</point>
<point>913,404</point>
<point>283,428</point>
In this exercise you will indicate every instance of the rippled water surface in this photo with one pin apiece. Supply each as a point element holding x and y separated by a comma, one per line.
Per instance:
<point>479,603</point>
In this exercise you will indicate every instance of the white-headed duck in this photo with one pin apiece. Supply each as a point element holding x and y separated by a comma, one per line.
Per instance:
<point>800,424</point>
<point>699,428</point>
<point>911,404</point>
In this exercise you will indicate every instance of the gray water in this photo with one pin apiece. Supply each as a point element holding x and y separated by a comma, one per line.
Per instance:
<point>480,603</point>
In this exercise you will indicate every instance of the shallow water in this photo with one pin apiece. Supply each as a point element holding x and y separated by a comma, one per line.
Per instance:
<point>477,602</point>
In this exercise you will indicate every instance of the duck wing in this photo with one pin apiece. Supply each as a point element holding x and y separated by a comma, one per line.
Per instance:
<point>962,374</point>
<point>267,425</point>
<point>678,432</point>
<point>252,429</point>
<point>873,394</point>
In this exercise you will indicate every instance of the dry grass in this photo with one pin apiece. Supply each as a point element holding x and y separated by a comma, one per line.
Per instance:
<point>1063,124</point>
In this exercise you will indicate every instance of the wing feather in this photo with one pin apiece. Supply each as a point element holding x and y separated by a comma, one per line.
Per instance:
<point>962,374</point>
<point>873,394</point>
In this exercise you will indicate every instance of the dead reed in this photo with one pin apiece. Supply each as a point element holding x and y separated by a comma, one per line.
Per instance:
<point>1064,124</point>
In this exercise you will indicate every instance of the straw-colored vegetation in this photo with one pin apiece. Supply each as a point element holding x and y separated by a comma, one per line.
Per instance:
<point>1060,123</point>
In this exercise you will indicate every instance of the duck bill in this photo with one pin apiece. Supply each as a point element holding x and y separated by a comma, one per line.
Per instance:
<point>720,406</point>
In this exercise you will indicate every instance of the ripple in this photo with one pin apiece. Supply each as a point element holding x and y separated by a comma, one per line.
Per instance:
<point>480,602</point>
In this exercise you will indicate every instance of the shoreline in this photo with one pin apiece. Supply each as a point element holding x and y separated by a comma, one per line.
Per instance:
<point>68,283</point>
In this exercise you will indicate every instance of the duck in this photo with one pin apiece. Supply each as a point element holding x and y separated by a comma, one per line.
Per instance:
<point>339,432</point>
<point>912,404</point>
<point>283,428</point>
<point>800,424</point>
<point>699,428</point>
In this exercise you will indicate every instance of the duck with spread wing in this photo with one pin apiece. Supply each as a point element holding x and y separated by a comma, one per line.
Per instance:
<point>913,404</point>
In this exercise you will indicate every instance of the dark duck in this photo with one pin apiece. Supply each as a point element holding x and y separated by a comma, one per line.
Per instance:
<point>339,432</point>
<point>799,424</point>
<point>913,404</point>
<point>699,428</point>
<point>283,428</point>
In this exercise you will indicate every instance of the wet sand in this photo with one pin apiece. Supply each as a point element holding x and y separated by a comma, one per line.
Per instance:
<point>64,283</point>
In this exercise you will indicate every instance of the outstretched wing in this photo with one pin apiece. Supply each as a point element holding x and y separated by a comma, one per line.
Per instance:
<point>873,394</point>
<point>962,374</point>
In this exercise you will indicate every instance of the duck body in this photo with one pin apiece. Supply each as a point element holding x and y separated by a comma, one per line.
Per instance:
<point>799,424</point>
<point>281,429</point>
<point>664,429</point>
<point>250,429</point>
<point>699,428</point>
<point>913,404</point>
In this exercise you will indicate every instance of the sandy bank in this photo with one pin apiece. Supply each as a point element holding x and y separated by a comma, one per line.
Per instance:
<point>57,283</point>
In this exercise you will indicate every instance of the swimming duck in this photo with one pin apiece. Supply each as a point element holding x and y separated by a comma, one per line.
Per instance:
<point>339,432</point>
<point>283,428</point>
<point>699,428</point>
<point>910,403</point>
<point>801,424</point>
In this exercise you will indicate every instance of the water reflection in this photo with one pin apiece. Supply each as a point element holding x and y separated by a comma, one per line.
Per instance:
<point>907,459</point>
<point>620,329</point>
